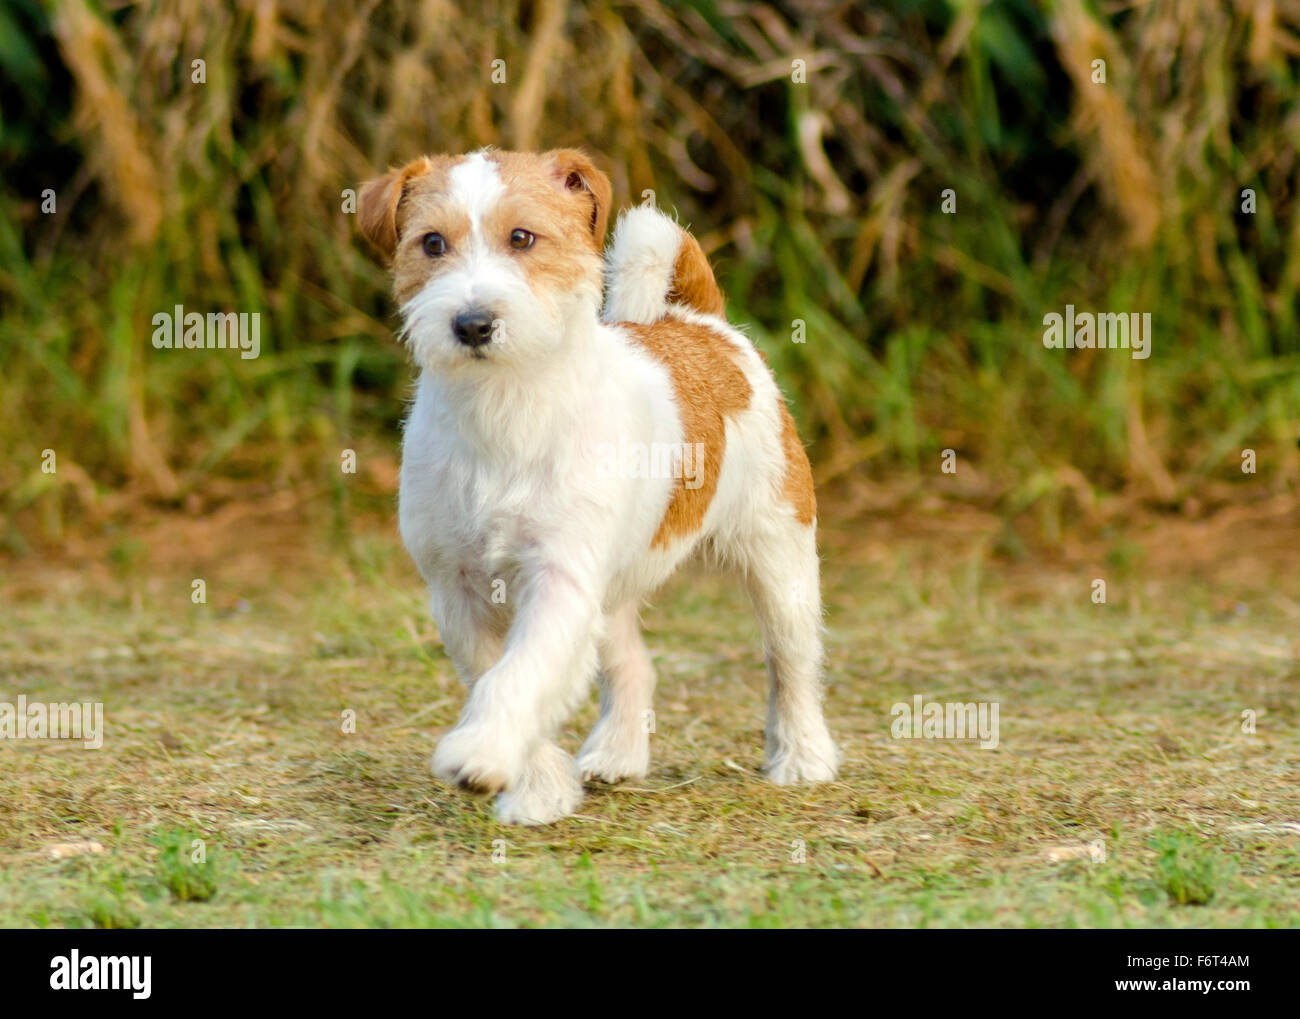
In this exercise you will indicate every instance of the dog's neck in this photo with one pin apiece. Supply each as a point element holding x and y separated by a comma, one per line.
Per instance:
<point>523,414</point>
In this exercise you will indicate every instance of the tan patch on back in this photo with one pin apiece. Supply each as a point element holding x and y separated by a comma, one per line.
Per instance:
<point>710,387</point>
<point>796,484</point>
<point>693,281</point>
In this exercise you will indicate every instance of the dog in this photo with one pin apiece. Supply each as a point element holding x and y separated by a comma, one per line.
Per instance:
<point>536,496</point>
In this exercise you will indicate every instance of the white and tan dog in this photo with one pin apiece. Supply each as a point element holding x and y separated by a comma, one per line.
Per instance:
<point>572,459</point>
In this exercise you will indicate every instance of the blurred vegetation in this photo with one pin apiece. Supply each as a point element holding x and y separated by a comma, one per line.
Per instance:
<point>817,200</point>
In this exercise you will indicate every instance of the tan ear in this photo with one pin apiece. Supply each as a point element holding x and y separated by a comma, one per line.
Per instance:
<point>577,172</point>
<point>377,205</point>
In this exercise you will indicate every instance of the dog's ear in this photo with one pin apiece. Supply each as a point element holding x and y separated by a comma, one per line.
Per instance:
<point>377,205</point>
<point>577,173</point>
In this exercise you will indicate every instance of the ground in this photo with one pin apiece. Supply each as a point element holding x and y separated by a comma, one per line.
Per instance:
<point>1127,788</point>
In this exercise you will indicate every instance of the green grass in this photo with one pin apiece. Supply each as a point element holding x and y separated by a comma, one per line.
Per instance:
<point>1187,871</point>
<point>1121,728</point>
<point>183,866</point>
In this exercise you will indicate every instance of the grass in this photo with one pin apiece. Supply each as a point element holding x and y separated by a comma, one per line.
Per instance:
<point>1124,791</point>
<point>1187,871</point>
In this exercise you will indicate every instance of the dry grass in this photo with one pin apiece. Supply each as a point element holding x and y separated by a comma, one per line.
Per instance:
<point>1119,723</point>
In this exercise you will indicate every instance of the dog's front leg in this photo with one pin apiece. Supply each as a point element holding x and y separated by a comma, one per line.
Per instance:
<point>502,742</point>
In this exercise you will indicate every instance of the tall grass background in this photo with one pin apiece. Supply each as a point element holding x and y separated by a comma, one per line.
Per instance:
<point>818,201</point>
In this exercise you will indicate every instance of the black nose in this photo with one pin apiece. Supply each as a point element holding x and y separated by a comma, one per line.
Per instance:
<point>473,328</point>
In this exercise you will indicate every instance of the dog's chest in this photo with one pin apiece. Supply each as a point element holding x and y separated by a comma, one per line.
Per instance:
<point>468,515</point>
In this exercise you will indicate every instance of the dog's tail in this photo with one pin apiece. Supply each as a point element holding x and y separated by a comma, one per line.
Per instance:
<point>653,263</point>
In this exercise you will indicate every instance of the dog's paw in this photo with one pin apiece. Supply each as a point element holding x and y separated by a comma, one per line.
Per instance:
<point>611,756</point>
<point>812,759</point>
<point>548,791</point>
<point>477,758</point>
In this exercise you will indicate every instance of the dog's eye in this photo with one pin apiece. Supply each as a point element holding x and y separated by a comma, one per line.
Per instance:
<point>435,245</point>
<point>521,239</point>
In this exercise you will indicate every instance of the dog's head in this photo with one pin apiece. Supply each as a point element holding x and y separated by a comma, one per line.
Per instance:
<point>493,253</point>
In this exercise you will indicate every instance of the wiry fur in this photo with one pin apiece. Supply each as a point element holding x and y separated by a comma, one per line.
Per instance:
<point>504,490</point>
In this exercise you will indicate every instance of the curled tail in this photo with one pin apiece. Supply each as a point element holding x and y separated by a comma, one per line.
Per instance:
<point>652,263</point>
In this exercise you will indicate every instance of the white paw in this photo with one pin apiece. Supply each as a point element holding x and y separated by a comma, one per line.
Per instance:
<point>611,755</point>
<point>478,758</point>
<point>548,791</point>
<point>811,759</point>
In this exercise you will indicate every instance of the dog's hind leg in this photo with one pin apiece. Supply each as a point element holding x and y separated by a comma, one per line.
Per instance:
<point>781,573</point>
<point>619,745</point>
<point>471,632</point>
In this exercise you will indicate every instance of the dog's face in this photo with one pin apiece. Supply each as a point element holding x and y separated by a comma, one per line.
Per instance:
<point>492,253</point>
